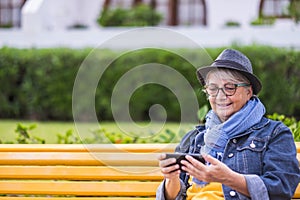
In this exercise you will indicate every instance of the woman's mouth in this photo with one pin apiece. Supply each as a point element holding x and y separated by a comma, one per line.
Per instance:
<point>223,105</point>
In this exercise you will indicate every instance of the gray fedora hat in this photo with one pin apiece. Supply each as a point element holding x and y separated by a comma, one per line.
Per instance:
<point>232,59</point>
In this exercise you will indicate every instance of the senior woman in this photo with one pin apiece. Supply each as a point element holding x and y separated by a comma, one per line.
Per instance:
<point>248,156</point>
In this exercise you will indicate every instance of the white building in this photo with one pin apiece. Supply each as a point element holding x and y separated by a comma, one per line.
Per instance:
<point>35,15</point>
<point>47,23</point>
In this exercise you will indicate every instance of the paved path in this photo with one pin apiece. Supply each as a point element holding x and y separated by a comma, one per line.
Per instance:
<point>285,36</point>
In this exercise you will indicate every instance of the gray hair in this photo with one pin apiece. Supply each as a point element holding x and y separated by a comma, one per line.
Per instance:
<point>232,75</point>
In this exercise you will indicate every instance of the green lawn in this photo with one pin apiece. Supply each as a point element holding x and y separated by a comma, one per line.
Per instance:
<point>50,130</point>
<point>46,130</point>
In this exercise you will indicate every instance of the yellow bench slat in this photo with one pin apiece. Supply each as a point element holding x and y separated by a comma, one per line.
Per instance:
<point>138,148</point>
<point>298,146</point>
<point>82,188</point>
<point>77,198</point>
<point>70,158</point>
<point>80,173</point>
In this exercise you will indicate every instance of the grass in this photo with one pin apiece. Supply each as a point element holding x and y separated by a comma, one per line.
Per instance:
<point>47,130</point>
<point>50,130</point>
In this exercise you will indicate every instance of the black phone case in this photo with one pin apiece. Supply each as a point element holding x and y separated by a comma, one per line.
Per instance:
<point>181,156</point>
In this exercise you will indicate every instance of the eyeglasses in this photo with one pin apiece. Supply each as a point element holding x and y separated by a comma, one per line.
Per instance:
<point>228,89</point>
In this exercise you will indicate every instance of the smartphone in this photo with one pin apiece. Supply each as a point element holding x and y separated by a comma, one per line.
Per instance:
<point>181,156</point>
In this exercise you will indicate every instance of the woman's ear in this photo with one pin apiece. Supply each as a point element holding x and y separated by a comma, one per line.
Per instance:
<point>250,92</point>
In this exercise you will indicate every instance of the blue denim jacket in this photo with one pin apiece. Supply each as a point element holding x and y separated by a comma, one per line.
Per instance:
<point>265,154</point>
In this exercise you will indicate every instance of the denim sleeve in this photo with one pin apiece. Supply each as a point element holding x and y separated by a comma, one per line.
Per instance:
<point>160,192</point>
<point>256,187</point>
<point>281,168</point>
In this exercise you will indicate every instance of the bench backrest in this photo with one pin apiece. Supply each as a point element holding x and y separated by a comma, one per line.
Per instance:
<point>107,171</point>
<point>119,171</point>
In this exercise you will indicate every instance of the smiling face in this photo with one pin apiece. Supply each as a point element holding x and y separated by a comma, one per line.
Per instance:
<point>223,105</point>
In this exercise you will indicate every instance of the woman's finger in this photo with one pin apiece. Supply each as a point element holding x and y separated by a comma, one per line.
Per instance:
<point>210,159</point>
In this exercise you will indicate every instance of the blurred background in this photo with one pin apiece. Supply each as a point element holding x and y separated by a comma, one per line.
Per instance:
<point>44,42</point>
<point>76,23</point>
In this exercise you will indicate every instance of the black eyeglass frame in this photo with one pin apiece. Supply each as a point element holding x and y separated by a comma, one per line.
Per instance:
<point>236,85</point>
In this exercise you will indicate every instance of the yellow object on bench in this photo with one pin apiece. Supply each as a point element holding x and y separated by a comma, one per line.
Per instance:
<point>87,172</point>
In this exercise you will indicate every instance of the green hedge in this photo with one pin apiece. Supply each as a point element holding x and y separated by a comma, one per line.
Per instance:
<point>140,15</point>
<point>38,83</point>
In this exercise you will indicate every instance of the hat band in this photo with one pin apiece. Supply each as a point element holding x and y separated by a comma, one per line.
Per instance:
<point>230,64</point>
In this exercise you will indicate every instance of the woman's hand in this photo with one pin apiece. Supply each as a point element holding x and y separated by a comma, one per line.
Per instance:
<point>215,172</point>
<point>168,167</point>
<point>170,171</point>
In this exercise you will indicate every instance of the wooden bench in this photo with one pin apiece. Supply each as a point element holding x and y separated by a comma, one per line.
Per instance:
<point>87,172</point>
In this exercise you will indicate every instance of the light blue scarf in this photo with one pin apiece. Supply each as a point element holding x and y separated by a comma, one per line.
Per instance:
<point>217,133</point>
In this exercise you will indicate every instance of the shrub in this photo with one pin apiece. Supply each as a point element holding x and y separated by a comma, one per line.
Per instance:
<point>232,24</point>
<point>25,137</point>
<point>263,21</point>
<point>140,15</point>
<point>294,9</point>
<point>290,122</point>
<point>38,83</point>
<point>102,136</point>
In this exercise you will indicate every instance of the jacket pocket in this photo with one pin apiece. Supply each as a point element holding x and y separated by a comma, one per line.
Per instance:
<point>250,155</point>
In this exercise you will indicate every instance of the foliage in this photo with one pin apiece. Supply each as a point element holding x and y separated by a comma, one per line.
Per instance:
<point>294,9</point>
<point>25,137</point>
<point>140,15</point>
<point>290,122</point>
<point>68,138</point>
<point>78,26</point>
<point>37,84</point>
<point>99,136</point>
<point>102,136</point>
<point>232,24</point>
<point>8,25</point>
<point>202,113</point>
<point>263,21</point>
